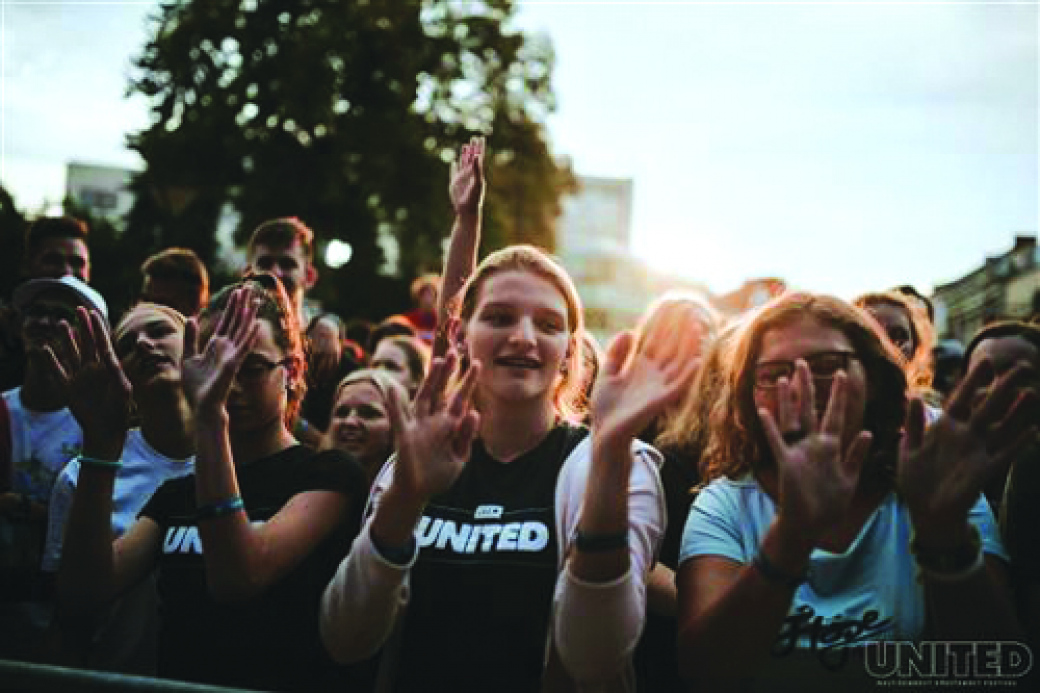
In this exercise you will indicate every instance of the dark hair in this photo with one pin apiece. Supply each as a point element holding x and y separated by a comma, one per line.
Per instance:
<point>179,265</point>
<point>1004,328</point>
<point>909,290</point>
<point>277,309</point>
<point>394,326</point>
<point>416,353</point>
<point>919,369</point>
<point>46,228</point>
<point>283,232</point>
<point>737,444</point>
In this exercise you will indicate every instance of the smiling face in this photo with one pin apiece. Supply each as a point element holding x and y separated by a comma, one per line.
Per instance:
<point>149,344</point>
<point>360,424</point>
<point>519,334</point>
<point>819,345</point>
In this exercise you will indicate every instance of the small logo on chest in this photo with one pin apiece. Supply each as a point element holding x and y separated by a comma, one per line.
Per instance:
<point>488,512</point>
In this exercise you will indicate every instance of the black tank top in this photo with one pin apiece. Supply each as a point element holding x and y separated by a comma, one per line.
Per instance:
<point>482,588</point>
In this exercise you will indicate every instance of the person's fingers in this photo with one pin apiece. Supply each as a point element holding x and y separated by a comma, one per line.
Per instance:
<point>54,364</point>
<point>399,418</point>
<point>915,424</point>
<point>88,345</point>
<point>773,437</point>
<point>221,324</point>
<point>960,403</point>
<point>1000,397</point>
<point>618,352</point>
<point>107,353</point>
<point>805,397</point>
<point>191,339</point>
<point>67,339</point>
<point>422,395</point>
<point>834,417</point>
<point>784,416</point>
<point>466,431</point>
<point>1022,414</point>
<point>857,453</point>
<point>688,375</point>
<point>464,396</point>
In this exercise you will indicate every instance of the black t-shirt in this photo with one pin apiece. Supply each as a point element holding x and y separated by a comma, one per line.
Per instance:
<point>270,642</point>
<point>482,588</point>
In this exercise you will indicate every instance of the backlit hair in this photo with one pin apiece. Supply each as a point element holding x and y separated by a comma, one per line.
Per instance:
<point>919,369</point>
<point>736,442</point>
<point>568,396</point>
<point>277,309</point>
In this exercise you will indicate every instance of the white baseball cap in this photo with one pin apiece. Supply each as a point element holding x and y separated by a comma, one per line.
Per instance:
<point>27,292</point>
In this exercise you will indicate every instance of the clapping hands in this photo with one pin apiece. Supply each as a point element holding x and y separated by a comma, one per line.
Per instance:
<point>98,391</point>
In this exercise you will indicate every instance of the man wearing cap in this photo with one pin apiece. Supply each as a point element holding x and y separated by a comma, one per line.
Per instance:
<point>38,437</point>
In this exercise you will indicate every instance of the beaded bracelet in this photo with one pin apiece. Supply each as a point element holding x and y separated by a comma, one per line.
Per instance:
<point>97,462</point>
<point>228,506</point>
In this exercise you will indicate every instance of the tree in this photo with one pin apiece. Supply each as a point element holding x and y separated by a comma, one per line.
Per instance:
<point>345,114</point>
<point>12,239</point>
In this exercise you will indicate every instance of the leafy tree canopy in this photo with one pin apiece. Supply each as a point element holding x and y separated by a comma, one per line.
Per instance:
<point>345,114</point>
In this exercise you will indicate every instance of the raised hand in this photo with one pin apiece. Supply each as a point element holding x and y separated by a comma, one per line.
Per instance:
<point>816,479</point>
<point>466,184</point>
<point>943,470</point>
<point>207,376</point>
<point>98,390</point>
<point>435,432</point>
<point>634,389</point>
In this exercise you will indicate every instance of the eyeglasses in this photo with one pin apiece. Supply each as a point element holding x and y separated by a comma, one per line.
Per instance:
<point>823,365</point>
<point>257,368</point>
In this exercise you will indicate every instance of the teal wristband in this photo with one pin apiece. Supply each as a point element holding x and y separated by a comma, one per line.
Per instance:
<point>229,506</point>
<point>98,463</point>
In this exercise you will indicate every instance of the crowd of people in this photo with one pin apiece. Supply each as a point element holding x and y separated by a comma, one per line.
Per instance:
<point>473,495</point>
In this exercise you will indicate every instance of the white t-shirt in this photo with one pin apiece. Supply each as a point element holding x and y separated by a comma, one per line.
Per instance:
<point>867,593</point>
<point>42,443</point>
<point>127,642</point>
<point>143,471</point>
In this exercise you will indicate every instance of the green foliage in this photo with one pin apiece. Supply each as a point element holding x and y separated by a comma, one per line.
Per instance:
<point>345,114</point>
<point>12,240</point>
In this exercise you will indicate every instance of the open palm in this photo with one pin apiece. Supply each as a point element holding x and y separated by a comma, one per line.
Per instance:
<point>634,389</point>
<point>207,375</point>
<point>434,434</point>
<point>99,392</point>
<point>466,184</point>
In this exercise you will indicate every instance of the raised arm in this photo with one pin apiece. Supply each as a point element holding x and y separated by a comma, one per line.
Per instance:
<point>93,569</point>
<point>730,612</point>
<point>622,512</point>
<point>941,474</point>
<point>466,189</point>
<point>243,559</point>
<point>433,438</point>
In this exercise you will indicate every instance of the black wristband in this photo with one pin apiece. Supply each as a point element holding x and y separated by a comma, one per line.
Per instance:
<point>599,543</point>
<point>397,555</point>
<point>775,575</point>
<point>949,561</point>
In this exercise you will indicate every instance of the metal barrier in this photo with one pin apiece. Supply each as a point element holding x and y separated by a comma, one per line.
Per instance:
<point>26,676</point>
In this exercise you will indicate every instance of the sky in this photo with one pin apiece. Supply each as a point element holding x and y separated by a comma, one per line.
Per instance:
<point>844,147</point>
